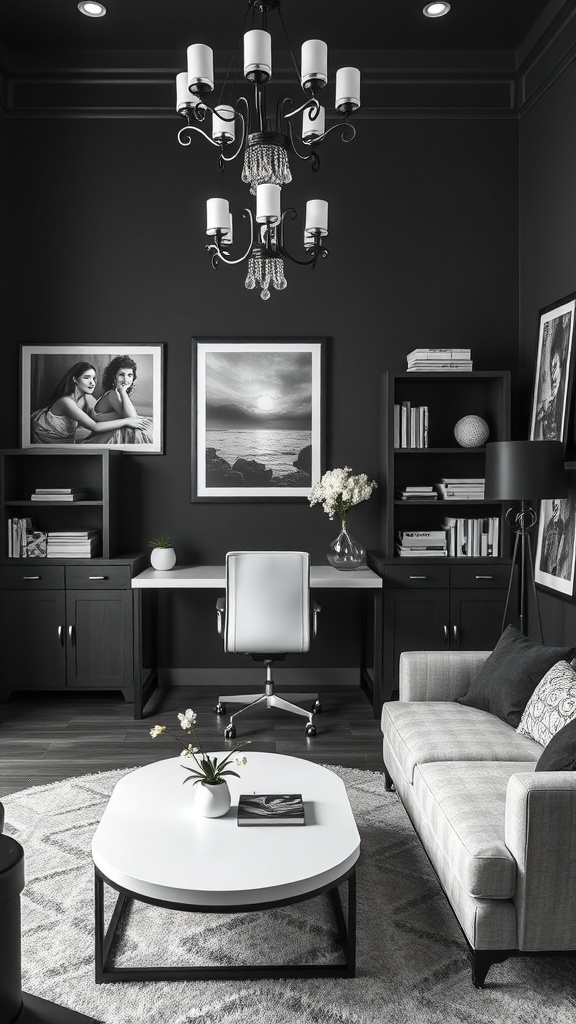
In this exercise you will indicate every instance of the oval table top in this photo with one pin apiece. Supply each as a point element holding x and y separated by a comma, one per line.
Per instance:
<point>152,842</point>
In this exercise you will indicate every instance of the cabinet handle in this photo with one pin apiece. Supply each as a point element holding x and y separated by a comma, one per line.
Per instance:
<point>445,631</point>
<point>418,577</point>
<point>71,634</point>
<point>61,635</point>
<point>455,634</point>
<point>484,577</point>
<point>31,577</point>
<point>97,577</point>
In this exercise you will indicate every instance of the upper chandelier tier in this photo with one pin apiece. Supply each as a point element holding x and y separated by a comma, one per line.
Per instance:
<point>235,126</point>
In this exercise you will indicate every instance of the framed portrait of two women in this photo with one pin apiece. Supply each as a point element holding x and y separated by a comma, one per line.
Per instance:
<point>93,395</point>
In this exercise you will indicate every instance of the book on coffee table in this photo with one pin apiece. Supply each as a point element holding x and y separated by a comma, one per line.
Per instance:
<point>271,809</point>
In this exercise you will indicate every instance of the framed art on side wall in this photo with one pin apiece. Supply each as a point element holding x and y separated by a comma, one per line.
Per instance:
<point>257,418</point>
<point>93,395</point>
<point>555,548</point>
<point>554,371</point>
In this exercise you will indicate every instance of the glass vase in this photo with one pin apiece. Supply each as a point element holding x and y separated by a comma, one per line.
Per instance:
<point>345,552</point>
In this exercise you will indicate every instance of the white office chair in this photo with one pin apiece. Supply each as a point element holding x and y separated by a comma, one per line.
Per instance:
<point>267,613</point>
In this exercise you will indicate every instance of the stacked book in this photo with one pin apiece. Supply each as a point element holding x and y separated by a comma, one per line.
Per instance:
<point>416,492</point>
<point>421,543</point>
<point>58,494</point>
<point>461,488</point>
<point>473,538</point>
<point>439,359</point>
<point>72,544</point>
<point>410,425</point>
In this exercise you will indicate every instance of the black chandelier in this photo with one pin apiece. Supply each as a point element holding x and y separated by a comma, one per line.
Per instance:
<point>266,142</point>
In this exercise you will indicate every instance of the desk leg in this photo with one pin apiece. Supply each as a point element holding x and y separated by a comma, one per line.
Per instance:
<point>145,648</point>
<point>371,668</point>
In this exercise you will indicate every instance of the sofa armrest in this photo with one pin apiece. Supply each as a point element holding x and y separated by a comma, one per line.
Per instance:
<point>540,833</point>
<point>438,675</point>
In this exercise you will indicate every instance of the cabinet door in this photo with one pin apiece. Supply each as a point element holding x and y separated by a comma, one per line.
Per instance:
<point>476,618</point>
<point>32,632</point>
<point>414,620</point>
<point>99,639</point>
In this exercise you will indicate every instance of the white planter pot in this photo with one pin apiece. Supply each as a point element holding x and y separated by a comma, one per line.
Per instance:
<point>163,558</point>
<point>212,801</point>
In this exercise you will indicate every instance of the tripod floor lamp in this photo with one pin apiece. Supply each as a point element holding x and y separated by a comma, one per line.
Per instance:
<point>521,472</point>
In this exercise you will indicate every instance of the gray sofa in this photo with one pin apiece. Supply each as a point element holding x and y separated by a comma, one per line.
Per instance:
<point>501,838</point>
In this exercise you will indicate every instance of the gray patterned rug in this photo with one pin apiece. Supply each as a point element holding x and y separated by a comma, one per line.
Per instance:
<point>412,965</point>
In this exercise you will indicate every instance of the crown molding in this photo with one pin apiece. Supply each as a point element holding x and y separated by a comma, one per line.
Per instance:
<point>545,54</point>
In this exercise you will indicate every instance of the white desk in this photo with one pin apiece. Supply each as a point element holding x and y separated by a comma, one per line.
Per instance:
<point>213,577</point>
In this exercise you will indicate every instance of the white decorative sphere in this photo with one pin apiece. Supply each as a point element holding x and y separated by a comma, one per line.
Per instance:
<point>471,431</point>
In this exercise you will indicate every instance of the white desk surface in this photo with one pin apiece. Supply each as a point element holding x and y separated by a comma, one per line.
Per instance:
<point>213,577</point>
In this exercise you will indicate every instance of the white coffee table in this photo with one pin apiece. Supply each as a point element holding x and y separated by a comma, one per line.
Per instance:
<point>152,846</point>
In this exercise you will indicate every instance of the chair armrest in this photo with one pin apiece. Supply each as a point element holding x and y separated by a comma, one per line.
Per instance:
<point>220,612</point>
<point>316,609</point>
<point>438,675</point>
<point>540,833</point>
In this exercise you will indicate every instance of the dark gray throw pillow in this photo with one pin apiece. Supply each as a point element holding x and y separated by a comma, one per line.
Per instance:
<point>559,755</point>
<point>510,675</point>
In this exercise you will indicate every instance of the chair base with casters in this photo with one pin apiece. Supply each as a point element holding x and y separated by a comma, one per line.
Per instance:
<point>269,699</point>
<point>267,613</point>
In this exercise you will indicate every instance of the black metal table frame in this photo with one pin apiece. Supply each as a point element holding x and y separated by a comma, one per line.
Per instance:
<point>104,938</point>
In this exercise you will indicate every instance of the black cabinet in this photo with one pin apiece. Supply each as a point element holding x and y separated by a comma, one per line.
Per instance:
<point>447,606</point>
<point>68,626</point>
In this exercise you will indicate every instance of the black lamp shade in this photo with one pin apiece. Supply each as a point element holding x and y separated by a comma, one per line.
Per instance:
<point>524,470</point>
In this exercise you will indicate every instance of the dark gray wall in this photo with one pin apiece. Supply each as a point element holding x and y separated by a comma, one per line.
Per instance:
<point>547,263</point>
<point>105,237</point>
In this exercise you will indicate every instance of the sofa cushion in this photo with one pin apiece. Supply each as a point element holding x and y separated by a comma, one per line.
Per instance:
<point>427,731</point>
<point>464,804</point>
<point>560,753</point>
<point>510,675</point>
<point>552,705</point>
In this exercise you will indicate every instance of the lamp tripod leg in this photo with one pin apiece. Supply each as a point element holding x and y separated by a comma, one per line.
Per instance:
<point>534,591</point>
<point>514,560</point>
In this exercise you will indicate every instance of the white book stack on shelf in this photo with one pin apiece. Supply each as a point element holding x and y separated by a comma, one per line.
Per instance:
<point>72,544</point>
<point>421,544</point>
<point>58,494</point>
<point>410,425</point>
<point>461,488</point>
<point>415,492</point>
<point>429,360</point>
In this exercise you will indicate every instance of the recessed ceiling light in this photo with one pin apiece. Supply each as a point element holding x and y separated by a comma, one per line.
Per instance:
<point>436,10</point>
<point>95,10</point>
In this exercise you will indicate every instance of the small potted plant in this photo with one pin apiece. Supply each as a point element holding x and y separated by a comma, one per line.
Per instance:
<point>162,555</point>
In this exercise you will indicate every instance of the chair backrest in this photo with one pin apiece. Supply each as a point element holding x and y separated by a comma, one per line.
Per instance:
<point>267,602</point>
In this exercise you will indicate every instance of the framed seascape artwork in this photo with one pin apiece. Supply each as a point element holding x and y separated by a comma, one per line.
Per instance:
<point>257,418</point>
<point>555,549</point>
<point>93,395</point>
<point>554,370</point>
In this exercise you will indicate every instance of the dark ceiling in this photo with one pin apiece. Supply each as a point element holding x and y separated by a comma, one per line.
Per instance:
<point>363,24</point>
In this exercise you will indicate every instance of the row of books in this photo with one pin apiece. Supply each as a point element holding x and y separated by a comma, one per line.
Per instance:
<point>448,488</point>
<point>435,359</point>
<point>58,494</point>
<point>410,425</point>
<point>26,541</point>
<point>473,538</point>
<point>458,538</point>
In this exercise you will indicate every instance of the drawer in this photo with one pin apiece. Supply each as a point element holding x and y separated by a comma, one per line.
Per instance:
<point>97,577</point>
<point>36,576</point>
<point>416,576</point>
<point>480,575</point>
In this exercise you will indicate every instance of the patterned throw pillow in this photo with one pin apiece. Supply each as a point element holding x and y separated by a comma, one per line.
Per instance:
<point>552,705</point>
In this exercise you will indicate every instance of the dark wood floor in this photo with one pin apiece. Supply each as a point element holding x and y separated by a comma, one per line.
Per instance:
<point>46,737</point>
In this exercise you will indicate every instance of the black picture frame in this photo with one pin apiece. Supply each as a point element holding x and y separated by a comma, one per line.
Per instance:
<point>258,418</point>
<point>553,372</point>
<point>554,564</point>
<point>42,369</point>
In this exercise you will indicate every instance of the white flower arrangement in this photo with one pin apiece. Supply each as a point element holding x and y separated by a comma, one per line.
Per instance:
<point>208,769</point>
<point>338,491</point>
